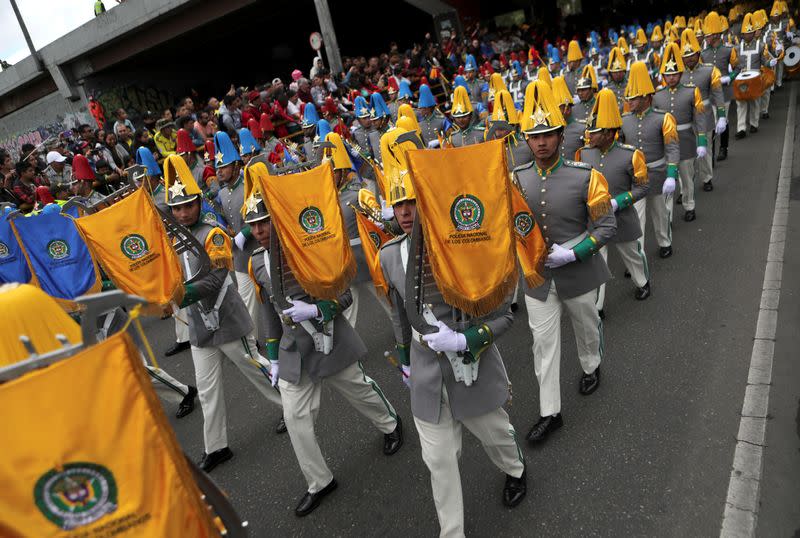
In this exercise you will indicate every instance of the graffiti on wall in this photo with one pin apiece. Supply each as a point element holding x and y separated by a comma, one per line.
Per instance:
<point>136,100</point>
<point>13,143</point>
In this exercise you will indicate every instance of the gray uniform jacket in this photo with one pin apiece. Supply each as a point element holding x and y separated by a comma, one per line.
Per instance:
<point>234,319</point>
<point>646,132</point>
<point>375,142</point>
<point>680,102</point>
<point>430,126</point>
<point>574,134</point>
<point>558,200</point>
<point>616,164</point>
<point>571,78</point>
<point>720,57</point>
<point>701,77</point>
<point>430,372</point>
<point>475,91</point>
<point>582,109</point>
<point>231,199</point>
<point>518,152</point>
<point>349,195</point>
<point>361,137</point>
<point>751,55</point>
<point>160,200</point>
<point>473,134</point>
<point>618,89</point>
<point>296,348</point>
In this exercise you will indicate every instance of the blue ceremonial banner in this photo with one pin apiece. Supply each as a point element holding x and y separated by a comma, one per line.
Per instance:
<point>13,266</point>
<point>58,255</point>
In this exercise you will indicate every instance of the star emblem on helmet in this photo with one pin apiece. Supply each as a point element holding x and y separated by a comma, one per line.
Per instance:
<point>539,117</point>
<point>671,66</point>
<point>219,157</point>
<point>617,64</point>
<point>252,203</point>
<point>687,48</point>
<point>583,81</point>
<point>458,108</point>
<point>177,188</point>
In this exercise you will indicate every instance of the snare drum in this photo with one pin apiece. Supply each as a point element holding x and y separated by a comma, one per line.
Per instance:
<point>747,86</point>
<point>792,60</point>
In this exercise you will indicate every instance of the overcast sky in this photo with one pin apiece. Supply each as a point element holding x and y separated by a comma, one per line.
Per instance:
<point>47,20</point>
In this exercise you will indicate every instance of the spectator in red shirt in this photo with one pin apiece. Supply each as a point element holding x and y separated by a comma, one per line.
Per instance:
<point>252,109</point>
<point>25,186</point>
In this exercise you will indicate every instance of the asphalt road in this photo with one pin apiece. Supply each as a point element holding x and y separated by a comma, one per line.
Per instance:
<point>648,454</point>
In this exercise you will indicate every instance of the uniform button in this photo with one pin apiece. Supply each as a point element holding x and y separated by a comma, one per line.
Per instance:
<point>544,215</point>
<point>544,190</point>
<point>544,203</point>
<point>544,227</point>
<point>601,165</point>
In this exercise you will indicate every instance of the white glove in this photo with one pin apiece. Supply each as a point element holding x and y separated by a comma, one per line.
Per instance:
<point>387,213</point>
<point>559,256</point>
<point>576,99</point>
<point>790,35</point>
<point>239,240</point>
<point>722,124</point>
<point>446,339</point>
<point>669,186</point>
<point>773,62</point>
<point>433,144</point>
<point>725,80</point>
<point>301,311</point>
<point>406,375</point>
<point>614,205</point>
<point>274,372</point>
<point>701,152</point>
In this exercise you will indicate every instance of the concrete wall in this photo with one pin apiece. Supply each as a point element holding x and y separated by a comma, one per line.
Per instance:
<point>35,122</point>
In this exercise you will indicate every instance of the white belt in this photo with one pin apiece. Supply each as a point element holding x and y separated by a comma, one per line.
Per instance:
<point>572,243</point>
<point>684,126</point>
<point>706,102</point>
<point>656,164</point>
<point>356,241</point>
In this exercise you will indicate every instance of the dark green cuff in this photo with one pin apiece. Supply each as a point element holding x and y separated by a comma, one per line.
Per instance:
<point>478,340</point>
<point>403,354</point>
<point>720,112</point>
<point>623,200</point>
<point>328,309</point>
<point>189,295</point>
<point>272,349</point>
<point>672,170</point>
<point>702,139</point>
<point>733,75</point>
<point>246,232</point>
<point>586,248</point>
<point>108,285</point>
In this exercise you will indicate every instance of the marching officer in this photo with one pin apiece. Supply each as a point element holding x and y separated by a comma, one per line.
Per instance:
<point>708,79</point>
<point>572,207</point>
<point>309,126</point>
<point>643,53</point>
<point>586,88</point>
<point>362,125</point>
<point>685,103</point>
<point>625,170</point>
<point>440,405</point>
<point>617,75</point>
<point>575,130</point>
<point>725,59</point>
<point>380,124</point>
<point>654,133</point>
<point>299,370</point>
<point>469,128</point>
<point>219,324</point>
<point>505,124</point>
<point>753,54</point>
<point>573,70</point>
<point>431,121</point>
<point>475,86</point>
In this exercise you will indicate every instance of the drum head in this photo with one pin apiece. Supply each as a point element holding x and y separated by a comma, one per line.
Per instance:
<point>747,75</point>
<point>792,56</point>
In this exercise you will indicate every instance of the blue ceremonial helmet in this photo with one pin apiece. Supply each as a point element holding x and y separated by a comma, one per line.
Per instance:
<point>310,116</point>
<point>426,98</point>
<point>144,157</point>
<point>405,91</point>
<point>361,107</point>
<point>247,143</point>
<point>470,64</point>
<point>379,108</point>
<point>225,152</point>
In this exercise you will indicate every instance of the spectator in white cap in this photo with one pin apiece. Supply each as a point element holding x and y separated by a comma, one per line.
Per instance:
<point>58,172</point>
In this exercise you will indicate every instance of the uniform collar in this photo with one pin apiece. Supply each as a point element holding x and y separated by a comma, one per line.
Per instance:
<point>550,170</point>
<point>606,152</point>
<point>645,113</point>
<point>236,183</point>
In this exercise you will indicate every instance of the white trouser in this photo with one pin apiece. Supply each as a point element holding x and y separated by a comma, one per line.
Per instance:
<point>208,373</point>
<point>704,165</point>
<point>247,291</point>
<point>660,207</point>
<point>167,387</point>
<point>351,313</point>
<point>441,450</point>
<point>182,325</point>
<point>301,406</point>
<point>747,111</point>
<point>686,178</point>
<point>544,320</point>
<point>779,74</point>
<point>635,262</point>
<point>765,98</point>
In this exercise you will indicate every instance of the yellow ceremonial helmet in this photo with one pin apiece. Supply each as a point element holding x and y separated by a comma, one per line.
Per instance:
<point>496,83</point>
<point>588,78</point>
<point>712,24</point>
<point>395,167</point>
<point>748,27</point>
<point>734,13</point>
<point>561,92</point>
<point>406,112</point>
<point>656,36</point>
<point>605,112</point>
<point>672,63</point>
<point>622,45</point>
<point>504,109</point>
<point>641,38</point>
<point>179,183</point>
<point>574,53</point>
<point>540,114</point>
<point>639,81</point>
<point>776,10</point>
<point>254,208</point>
<point>667,27</point>
<point>689,44</point>
<point>679,22</point>
<point>760,19</point>
<point>616,61</point>
<point>461,103</point>
<point>544,75</point>
<point>723,22</point>
<point>698,28</point>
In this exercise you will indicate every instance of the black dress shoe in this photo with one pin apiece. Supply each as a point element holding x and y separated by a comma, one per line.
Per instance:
<point>544,427</point>
<point>679,199</point>
<point>665,252</point>
<point>177,348</point>
<point>740,135</point>
<point>514,307</point>
<point>187,404</point>
<point>311,500</point>
<point>394,440</point>
<point>708,186</point>
<point>643,292</point>
<point>765,116</point>
<point>627,274</point>
<point>723,154</point>
<point>601,313</point>
<point>753,129</point>
<point>515,489</point>
<point>280,427</point>
<point>209,461</point>
<point>689,216</point>
<point>589,382</point>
